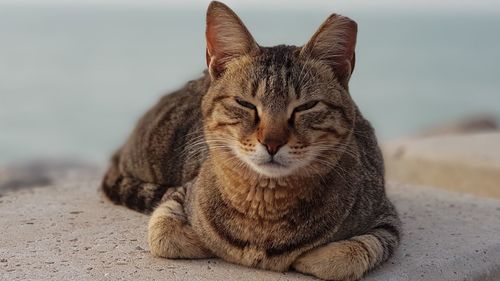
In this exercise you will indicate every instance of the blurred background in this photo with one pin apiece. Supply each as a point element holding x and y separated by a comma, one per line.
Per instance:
<point>76,75</point>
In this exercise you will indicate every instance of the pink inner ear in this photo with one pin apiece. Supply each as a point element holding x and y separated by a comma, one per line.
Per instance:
<point>210,42</point>
<point>227,37</point>
<point>214,59</point>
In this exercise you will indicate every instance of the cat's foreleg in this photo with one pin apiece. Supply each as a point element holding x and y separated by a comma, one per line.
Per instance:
<point>350,259</point>
<point>169,233</point>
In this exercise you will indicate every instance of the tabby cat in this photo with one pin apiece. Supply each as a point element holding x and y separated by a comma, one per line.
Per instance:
<point>265,161</point>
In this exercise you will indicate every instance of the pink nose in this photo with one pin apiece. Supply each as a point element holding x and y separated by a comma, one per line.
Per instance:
<point>272,145</point>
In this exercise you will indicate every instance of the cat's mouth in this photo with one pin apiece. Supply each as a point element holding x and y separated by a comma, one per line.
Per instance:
<point>272,168</point>
<point>269,166</point>
<point>273,163</point>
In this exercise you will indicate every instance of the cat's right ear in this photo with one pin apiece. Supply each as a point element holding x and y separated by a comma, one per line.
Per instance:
<point>227,38</point>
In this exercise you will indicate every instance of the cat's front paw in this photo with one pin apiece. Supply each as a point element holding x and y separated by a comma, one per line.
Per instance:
<point>165,225</point>
<point>169,233</point>
<point>339,261</point>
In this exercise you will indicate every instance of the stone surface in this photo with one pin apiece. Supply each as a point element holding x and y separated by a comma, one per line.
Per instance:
<point>40,172</point>
<point>468,124</point>
<point>67,231</point>
<point>463,163</point>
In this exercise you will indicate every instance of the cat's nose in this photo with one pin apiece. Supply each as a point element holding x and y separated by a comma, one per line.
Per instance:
<point>273,145</point>
<point>273,134</point>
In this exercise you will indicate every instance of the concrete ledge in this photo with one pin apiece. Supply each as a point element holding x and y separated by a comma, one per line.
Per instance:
<point>463,163</point>
<point>66,231</point>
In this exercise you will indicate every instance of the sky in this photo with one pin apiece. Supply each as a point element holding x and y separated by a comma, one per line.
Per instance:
<point>438,5</point>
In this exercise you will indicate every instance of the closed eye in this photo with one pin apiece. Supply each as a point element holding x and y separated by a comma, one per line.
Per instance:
<point>246,104</point>
<point>306,106</point>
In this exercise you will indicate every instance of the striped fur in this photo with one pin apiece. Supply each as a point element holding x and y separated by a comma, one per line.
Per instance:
<point>158,156</point>
<point>171,236</point>
<point>265,161</point>
<point>349,259</point>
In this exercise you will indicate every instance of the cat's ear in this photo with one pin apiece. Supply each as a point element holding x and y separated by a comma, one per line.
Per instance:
<point>227,38</point>
<point>334,43</point>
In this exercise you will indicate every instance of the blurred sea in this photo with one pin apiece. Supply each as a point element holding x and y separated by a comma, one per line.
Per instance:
<point>74,80</point>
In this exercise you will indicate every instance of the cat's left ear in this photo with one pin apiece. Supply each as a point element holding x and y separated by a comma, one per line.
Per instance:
<point>334,43</point>
<point>227,38</point>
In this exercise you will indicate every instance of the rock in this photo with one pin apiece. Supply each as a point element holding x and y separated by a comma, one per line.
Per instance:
<point>462,163</point>
<point>447,236</point>
<point>466,125</point>
<point>40,172</point>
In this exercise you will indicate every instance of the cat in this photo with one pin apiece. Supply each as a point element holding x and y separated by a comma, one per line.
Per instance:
<point>264,161</point>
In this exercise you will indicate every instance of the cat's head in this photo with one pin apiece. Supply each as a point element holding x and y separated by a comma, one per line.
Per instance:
<point>280,110</point>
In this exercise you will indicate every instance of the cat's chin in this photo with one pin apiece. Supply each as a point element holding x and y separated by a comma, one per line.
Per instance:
<point>272,169</point>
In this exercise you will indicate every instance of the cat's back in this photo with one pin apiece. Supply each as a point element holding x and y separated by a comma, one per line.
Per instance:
<point>158,151</point>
